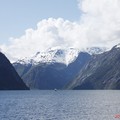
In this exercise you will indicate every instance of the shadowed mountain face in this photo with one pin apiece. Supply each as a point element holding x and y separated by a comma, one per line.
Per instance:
<point>101,72</point>
<point>50,75</point>
<point>9,79</point>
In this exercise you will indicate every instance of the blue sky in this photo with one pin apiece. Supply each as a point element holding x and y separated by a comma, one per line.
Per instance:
<point>18,15</point>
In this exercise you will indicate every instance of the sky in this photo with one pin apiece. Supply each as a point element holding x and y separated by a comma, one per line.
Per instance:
<point>18,15</point>
<point>29,26</point>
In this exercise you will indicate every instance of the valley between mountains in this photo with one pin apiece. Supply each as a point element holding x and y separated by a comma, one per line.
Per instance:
<point>93,68</point>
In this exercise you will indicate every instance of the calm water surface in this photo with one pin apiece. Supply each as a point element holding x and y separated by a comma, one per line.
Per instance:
<point>59,105</point>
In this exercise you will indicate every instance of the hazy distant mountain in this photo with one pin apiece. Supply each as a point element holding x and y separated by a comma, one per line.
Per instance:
<point>101,72</point>
<point>95,50</point>
<point>51,69</point>
<point>9,79</point>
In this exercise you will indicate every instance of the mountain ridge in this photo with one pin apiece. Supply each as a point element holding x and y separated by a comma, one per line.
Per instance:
<point>101,72</point>
<point>59,55</point>
<point>50,75</point>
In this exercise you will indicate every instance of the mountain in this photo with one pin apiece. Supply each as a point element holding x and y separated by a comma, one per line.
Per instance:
<point>51,69</point>
<point>52,55</point>
<point>9,79</point>
<point>101,72</point>
<point>95,50</point>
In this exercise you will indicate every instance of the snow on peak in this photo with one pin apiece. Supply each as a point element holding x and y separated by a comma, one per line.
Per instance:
<point>59,55</point>
<point>117,46</point>
<point>95,50</point>
<point>52,55</point>
<point>64,56</point>
<point>24,61</point>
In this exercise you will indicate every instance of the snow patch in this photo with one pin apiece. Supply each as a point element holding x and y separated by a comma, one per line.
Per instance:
<point>53,55</point>
<point>95,50</point>
<point>58,55</point>
<point>117,46</point>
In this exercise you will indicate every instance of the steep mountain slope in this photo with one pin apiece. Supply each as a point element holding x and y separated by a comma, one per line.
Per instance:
<point>55,75</point>
<point>53,69</point>
<point>22,68</point>
<point>101,72</point>
<point>51,56</point>
<point>9,79</point>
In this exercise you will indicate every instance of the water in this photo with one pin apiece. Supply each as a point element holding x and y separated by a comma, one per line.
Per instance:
<point>59,105</point>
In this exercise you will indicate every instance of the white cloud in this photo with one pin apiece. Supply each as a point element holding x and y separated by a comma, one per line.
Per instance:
<point>99,25</point>
<point>102,20</point>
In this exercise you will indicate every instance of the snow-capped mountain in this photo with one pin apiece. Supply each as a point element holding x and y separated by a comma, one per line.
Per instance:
<point>101,72</point>
<point>56,67</point>
<point>52,72</point>
<point>53,55</point>
<point>95,50</point>
<point>58,55</point>
<point>117,46</point>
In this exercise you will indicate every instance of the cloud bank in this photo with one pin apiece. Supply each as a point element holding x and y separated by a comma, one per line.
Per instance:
<point>99,25</point>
